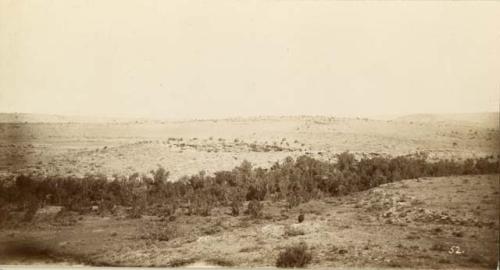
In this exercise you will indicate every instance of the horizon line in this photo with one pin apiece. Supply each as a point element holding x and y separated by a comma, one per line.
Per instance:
<point>164,118</point>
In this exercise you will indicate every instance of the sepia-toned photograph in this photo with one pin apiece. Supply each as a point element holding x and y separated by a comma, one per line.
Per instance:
<point>249,134</point>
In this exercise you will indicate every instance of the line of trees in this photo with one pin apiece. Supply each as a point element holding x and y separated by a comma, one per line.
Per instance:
<point>294,181</point>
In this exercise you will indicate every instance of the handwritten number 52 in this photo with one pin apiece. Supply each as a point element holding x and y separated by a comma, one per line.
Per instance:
<point>455,250</point>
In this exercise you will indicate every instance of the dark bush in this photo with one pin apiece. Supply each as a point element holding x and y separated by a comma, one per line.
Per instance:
<point>254,209</point>
<point>235,207</point>
<point>256,193</point>
<point>294,256</point>
<point>293,200</point>
<point>301,218</point>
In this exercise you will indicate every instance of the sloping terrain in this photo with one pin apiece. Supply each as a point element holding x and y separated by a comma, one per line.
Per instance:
<point>446,222</point>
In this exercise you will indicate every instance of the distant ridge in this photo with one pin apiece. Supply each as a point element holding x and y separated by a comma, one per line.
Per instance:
<point>489,118</point>
<point>52,118</point>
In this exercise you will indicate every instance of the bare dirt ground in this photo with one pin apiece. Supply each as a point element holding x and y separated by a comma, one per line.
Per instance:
<point>187,147</point>
<point>447,222</point>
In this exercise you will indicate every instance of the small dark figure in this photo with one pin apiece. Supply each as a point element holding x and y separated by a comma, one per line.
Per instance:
<point>301,218</point>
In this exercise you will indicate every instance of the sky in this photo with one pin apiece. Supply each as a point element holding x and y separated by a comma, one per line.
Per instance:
<point>206,59</point>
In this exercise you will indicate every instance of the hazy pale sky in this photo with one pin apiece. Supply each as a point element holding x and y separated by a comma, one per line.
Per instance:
<point>238,58</point>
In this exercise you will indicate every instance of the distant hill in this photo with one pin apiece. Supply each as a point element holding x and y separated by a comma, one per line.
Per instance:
<point>490,119</point>
<point>50,118</point>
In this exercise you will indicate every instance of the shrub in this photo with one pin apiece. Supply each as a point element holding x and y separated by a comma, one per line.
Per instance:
<point>201,205</point>
<point>181,262</point>
<point>256,193</point>
<point>301,218</point>
<point>293,201</point>
<point>294,256</point>
<point>220,262</point>
<point>216,228</point>
<point>254,209</point>
<point>235,207</point>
